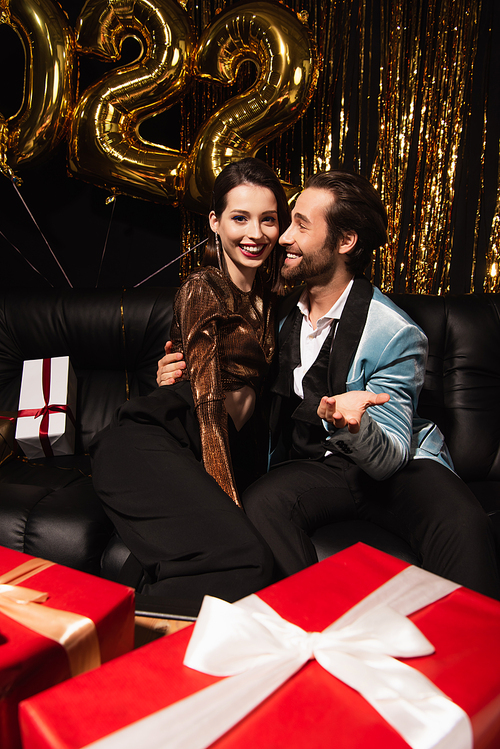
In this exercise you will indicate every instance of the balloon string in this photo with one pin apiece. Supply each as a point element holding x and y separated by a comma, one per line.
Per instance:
<point>41,233</point>
<point>25,259</point>
<point>170,263</point>
<point>106,242</point>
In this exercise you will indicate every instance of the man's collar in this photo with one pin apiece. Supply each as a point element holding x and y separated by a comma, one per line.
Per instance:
<point>335,311</point>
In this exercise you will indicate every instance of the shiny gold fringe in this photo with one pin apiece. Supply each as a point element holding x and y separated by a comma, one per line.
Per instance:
<point>477,224</point>
<point>422,110</point>
<point>492,278</point>
<point>391,103</point>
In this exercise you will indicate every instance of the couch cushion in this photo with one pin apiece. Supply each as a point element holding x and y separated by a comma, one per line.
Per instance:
<point>67,525</point>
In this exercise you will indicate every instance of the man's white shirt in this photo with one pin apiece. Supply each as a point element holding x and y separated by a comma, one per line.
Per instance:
<point>312,339</point>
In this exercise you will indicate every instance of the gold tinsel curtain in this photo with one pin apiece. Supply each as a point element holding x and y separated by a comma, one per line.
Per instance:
<point>408,96</point>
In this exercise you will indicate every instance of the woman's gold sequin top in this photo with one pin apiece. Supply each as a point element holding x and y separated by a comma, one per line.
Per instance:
<point>227,338</point>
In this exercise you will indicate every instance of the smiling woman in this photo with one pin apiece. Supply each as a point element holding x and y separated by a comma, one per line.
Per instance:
<point>171,466</point>
<point>248,234</point>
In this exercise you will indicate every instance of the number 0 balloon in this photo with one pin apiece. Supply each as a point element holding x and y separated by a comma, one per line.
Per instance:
<point>48,42</point>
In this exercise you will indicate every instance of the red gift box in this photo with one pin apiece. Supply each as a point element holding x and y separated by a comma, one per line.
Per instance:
<point>312,706</point>
<point>32,662</point>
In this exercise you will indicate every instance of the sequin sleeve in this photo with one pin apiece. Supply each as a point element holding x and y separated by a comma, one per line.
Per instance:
<point>198,314</point>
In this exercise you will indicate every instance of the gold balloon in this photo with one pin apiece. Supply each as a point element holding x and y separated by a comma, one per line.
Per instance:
<point>105,146</point>
<point>279,43</point>
<point>48,42</point>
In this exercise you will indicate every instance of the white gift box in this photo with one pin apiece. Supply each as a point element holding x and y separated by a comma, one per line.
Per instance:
<point>47,408</point>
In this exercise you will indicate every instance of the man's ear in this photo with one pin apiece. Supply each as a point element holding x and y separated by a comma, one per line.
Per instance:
<point>348,242</point>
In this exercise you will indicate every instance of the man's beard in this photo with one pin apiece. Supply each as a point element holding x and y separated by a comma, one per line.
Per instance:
<point>319,268</point>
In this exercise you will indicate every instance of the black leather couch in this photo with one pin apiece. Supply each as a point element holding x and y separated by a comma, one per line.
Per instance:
<point>48,507</point>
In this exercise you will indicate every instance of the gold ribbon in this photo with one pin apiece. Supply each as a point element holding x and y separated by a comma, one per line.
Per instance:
<point>77,634</point>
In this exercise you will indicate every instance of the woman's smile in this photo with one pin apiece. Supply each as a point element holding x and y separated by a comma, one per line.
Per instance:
<point>254,250</point>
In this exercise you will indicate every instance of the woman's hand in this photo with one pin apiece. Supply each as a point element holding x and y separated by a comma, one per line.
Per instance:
<point>170,367</point>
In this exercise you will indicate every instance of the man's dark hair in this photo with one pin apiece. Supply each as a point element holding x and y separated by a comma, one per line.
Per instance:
<point>356,207</point>
<point>251,171</point>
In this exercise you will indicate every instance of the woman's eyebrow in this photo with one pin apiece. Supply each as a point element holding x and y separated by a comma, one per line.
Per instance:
<point>247,213</point>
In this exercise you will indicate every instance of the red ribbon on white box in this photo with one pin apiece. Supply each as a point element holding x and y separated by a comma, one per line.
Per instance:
<point>249,642</point>
<point>46,410</point>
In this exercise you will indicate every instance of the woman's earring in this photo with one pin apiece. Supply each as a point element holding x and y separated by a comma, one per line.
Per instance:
<point>217,248</point>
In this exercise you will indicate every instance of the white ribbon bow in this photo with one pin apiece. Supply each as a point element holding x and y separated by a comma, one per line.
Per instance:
<point>259,650</point>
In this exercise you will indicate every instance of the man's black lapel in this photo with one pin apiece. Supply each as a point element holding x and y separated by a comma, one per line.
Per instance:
<point>287,306</point>
<point>348,335</point>
<point>288,353</point>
